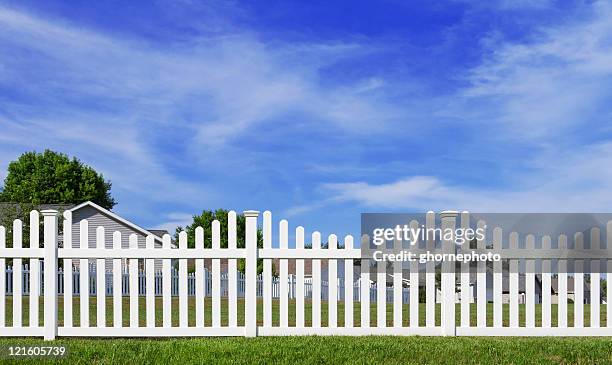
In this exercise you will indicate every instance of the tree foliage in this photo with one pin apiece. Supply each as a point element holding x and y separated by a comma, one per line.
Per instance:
<point>205,220</point>
<point>9,213</point>
<point>52,177</point>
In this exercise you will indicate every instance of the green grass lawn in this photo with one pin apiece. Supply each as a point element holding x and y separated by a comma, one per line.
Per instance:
<point>275,312</point>
<point>334,350</point>
<point>314,349</point>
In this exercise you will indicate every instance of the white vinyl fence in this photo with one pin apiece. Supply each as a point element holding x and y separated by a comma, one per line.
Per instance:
<point>364,307</point>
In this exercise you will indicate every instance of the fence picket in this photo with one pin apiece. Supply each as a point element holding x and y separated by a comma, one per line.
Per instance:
<point>514,284</point>
<point>34,274</point>
<point>117,284</point>
<point>595,278</point>
<point>199,279</point>
<point>232,290</point>
<point>316,282</point>
<point>497,280</point>
<point>546,285</point>
<point>299,270</point>
<point>348,285</point>
<point>430,275</point>
<point>465,277</point>
<point>364,286</point>
<point>150,283</point>
<point>100,281</point>
<point>84,275</point>
<point>216,275</point>
<point>448,279</point>
<point>414,282</point>
<point>267,271</point>
<point>283,301</point>
<point>17,274</point>
<point>250,280</point>
<point>608,276</point>
<point>34,283</point>
<point>68,270</point>
<point>481,283</point>
<point>167,285</point>
<point>398,287</point>
<point>3,280</point>
<point>562,285</point>
<point>133,240</point>
<point>182,277</point>
<point>332,280</point>
<point>578,283</point>
<point>530,284</point>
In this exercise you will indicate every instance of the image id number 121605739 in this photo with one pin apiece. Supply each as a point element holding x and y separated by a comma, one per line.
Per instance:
<point>39,351</point>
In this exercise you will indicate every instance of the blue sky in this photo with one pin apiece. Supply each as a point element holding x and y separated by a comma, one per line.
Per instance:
<point>317,111</point>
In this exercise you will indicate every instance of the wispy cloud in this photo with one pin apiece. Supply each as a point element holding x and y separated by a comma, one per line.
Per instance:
<point>220,87</point>
<point>556,80</point>
<point>406,192</point>
<point>139,111</point>
<point>175,220</point>
<point>577,184</point>
<point>550,93</point>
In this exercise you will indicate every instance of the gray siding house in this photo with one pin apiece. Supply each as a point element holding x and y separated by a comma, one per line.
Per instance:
<point>97,216</point>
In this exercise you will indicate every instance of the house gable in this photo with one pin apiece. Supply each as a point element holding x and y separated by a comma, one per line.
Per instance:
<point>97,216</point>
<point>88,208</point>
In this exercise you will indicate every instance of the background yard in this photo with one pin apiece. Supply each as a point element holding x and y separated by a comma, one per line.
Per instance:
<point>275,312</point>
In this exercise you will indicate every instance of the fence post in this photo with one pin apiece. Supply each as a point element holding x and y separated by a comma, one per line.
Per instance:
<point>50,273</point>
<point>448,222</point>
<point>250,297</point>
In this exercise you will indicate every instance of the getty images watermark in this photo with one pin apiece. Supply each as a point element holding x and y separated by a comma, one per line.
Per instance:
<point>409,235</point>
<point>536,242</point>
<point>540,242</point>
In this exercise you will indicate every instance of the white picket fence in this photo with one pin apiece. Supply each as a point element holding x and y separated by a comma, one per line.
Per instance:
<point>248,326</point>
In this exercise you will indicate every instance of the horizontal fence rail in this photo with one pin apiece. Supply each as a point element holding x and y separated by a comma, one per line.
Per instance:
<point>329,288</point>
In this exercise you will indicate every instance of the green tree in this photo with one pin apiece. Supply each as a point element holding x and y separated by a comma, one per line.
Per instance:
<point>11,212</point>
<point>205,220</point>
<point>52,177</point>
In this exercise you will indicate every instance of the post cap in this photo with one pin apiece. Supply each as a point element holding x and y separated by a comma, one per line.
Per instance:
<point>449,214</point>
<point>251,213</point>
<point>49,212</point>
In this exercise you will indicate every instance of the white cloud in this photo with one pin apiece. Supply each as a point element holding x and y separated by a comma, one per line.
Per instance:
<point>175,220</point>
<point>402,193</point>
<point>505,5</point>
<point>226,84</point>
<point>553,91</point>
<point>556,80</point>
<point>138,111</point>
<point>581,183</point>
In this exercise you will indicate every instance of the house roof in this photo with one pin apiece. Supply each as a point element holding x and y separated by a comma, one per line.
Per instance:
<point>554,283</point>
<point>118,218</point>
<point>158,232</point>
<point>13,208</point>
